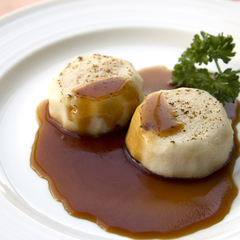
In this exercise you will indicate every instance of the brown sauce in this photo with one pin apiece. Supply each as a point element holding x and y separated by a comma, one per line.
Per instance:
<point>110,109</point>
<point>96,180</point>
<point>157,117</point>
<point>100,88</point>
<point>158,78</point>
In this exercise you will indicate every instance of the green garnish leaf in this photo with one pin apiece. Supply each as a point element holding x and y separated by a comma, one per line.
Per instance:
<point>223,85</point>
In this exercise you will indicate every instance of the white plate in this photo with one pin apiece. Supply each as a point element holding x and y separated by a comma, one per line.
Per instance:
<point>37,42</point>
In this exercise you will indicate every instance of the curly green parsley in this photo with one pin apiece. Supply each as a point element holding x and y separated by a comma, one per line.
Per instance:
<point>223,85</point>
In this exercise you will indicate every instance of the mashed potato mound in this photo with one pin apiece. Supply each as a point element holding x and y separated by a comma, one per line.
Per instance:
<point>95,94</point>
<point>181,133</point>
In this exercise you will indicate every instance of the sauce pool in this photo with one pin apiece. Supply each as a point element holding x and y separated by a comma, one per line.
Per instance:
<point>96,179</point>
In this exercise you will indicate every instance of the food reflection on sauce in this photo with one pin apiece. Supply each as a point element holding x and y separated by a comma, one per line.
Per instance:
<point>96,179</point>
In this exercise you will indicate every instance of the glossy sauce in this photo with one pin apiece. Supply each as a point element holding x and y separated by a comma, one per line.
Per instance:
<point>157,117</point>
<point>104,98</point>
<point>95,179</point>
<point>101,87</point>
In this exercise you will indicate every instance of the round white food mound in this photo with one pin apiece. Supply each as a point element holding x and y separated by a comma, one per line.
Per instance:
<point>95,94</point>
<point>200,147</point>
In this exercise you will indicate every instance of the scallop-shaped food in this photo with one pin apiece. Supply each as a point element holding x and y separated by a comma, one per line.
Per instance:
<point>181,133</point>
<point>95,94</point>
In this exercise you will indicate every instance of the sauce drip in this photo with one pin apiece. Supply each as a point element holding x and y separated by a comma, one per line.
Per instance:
<point>157,116</point>
<point>100,87</point>
<point>95,179</point>
<point>98,99</point>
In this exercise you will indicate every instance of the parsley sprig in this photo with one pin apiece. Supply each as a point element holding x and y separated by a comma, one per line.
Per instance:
<point>223,85</point>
